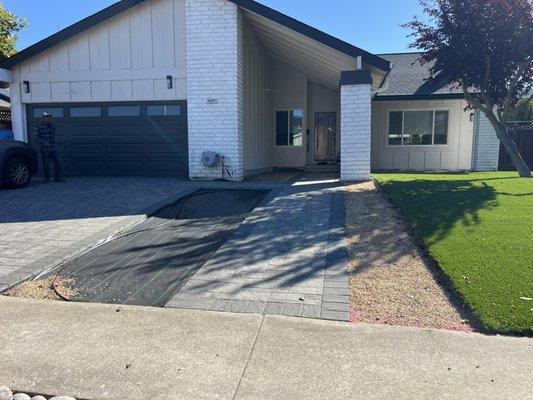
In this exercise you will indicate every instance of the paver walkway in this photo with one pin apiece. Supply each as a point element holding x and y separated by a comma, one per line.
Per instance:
<point>82,350</point>
<point>287,258</point>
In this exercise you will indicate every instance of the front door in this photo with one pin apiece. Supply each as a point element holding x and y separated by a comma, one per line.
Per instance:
<point>325,136</point>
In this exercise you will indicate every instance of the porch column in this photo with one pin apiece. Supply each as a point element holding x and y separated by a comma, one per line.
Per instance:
<point>355,125</point>
<point>214,87</point>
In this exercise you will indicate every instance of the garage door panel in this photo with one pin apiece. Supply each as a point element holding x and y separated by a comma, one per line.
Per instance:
<point>84,131</point>
<point>132,149</point>
<point>126,130</point>
<point>87,150</point>
<point>165,149</point>
<point>118,145</point>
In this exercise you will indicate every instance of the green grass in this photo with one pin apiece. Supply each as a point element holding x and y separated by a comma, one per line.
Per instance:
<point>479,228</point>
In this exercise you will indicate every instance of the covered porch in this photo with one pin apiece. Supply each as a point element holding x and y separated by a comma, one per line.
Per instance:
<point>307,98</point>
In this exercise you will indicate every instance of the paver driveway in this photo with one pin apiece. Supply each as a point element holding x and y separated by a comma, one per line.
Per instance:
<point>46,223</point>
<point>288,257</point>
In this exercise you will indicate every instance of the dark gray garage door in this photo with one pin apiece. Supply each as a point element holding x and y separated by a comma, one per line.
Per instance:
<point>115,139</point>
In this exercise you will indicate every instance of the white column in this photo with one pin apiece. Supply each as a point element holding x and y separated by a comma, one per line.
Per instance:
<point>355,125</point>
<point>214,86</point>
<point>18,112</point>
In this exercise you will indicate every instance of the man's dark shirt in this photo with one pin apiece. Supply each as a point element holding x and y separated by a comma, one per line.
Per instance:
<point>46,136</point>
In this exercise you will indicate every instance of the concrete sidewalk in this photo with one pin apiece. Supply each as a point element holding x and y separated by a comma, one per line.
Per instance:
<point>83,350</point>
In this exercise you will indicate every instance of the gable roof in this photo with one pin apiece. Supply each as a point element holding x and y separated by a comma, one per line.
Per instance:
<point>249,5</point>
<point>407,79</point>
<point>313,33</point>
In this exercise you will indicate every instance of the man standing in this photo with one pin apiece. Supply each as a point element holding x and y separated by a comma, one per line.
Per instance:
<point>46,139</point>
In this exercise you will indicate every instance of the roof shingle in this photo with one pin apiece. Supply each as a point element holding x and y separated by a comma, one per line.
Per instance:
<point>408,78</point>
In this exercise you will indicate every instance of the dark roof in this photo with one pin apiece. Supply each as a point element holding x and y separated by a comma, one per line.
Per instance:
<point>407,79</point>
<point>249,5</point>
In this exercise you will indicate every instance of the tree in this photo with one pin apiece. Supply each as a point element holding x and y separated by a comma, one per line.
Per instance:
<point>486,48</point>
<point>10,25</point>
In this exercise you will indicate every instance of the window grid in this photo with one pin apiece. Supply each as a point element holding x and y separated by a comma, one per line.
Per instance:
<point>402,136</point>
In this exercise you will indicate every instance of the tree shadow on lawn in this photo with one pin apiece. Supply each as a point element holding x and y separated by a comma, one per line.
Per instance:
<point>434,208</point>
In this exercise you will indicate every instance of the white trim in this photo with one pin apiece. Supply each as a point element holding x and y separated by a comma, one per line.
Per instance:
<point>417,146</point>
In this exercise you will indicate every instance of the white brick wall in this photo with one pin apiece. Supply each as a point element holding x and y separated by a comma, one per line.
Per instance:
<point>486,147</point>
<point>355,132</point>
<point>214,85</point>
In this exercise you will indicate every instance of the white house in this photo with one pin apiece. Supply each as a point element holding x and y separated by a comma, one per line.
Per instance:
<point>147,86</point>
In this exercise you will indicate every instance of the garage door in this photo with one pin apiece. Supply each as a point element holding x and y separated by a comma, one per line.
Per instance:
<point>116,139</point>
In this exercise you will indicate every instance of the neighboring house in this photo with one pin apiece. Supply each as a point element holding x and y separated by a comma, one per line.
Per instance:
<point>4,100</point>
<point>146,86</point>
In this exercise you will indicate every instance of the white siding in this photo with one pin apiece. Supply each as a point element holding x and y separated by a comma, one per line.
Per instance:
<point>126,57</point>
<point>486,144</point>
<point>289,91</point>
<point>258,135</point>
<point>456,155</point>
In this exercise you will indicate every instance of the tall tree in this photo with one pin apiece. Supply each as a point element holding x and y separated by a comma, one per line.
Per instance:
<point>485,47</point>
<point>10,26</point>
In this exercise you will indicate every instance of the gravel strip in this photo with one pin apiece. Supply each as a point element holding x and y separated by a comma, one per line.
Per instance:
<point>391,280</point>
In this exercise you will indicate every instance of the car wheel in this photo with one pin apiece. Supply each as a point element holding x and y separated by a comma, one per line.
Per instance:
<point>17,173</point>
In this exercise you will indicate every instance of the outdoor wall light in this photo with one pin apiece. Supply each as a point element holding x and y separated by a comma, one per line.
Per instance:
<point>471,117</point>
<point>169,81</point>
<point>26,86</point>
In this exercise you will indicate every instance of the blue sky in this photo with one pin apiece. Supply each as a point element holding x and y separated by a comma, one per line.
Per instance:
<point>372,25</point>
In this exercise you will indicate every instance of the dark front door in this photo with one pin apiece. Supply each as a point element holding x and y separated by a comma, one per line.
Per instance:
<point>325,135</point>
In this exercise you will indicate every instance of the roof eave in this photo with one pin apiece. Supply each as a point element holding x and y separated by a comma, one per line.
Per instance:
<point>431,96</point>
<point>313,33</point>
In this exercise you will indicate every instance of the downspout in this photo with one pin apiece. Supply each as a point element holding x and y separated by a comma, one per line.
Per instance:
<point>385,84</point>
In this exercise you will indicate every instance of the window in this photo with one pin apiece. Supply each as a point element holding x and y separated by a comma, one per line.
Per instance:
<point>124,111</point>
<point>289,128</point>
<point>90,112</point>
<point>56,112</point>
<point>414,128</point>
<point>163,111</point>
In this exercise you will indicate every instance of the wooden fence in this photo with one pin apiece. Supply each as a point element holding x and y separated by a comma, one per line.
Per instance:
<point>522,133</point>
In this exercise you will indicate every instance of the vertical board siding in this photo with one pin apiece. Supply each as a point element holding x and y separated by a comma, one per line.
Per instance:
<point>455,156</point>
<point>289,91</point>
<point>128,56</point>
<point>258,136</point>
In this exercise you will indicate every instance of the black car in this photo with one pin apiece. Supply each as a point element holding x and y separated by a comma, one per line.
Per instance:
<point>18,163</point>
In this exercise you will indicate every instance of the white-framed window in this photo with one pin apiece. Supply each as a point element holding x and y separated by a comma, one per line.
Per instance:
<point>418,127</point>
<point>289,127</point>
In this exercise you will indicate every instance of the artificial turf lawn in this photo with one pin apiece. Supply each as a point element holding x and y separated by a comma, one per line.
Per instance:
<point>479,228</point>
